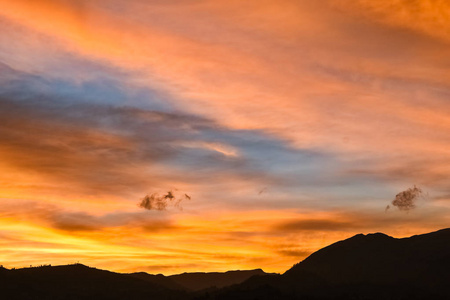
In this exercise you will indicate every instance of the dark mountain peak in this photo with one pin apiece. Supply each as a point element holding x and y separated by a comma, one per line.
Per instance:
<point>158,279</point>
<point>380,259</point>
<point>365,266</point>
<point>358,247</point>
<point>73,272</point>
<point>363,239</point>
<point>139,273</point>
<point>3,269</point>
<point>146,274</point>
<point>75,266</point>
<point>376,236</point>
<point>255,271</point>
<point>230,272</point>
<point>70,266</point>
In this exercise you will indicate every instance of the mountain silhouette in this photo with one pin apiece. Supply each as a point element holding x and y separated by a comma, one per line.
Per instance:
<point>3,269</point>
<point>78,282</point>
<point>372,266</point>
<point>200,281</point>
<point>381,259</point>
<point>160,280</point>
<point>81,282</point>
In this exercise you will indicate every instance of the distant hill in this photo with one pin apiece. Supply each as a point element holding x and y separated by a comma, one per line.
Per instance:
<point>160,280</point>
<point>200,281</point>
<point>2,269</point>
<point>78,282</point>
<point>81,282</point>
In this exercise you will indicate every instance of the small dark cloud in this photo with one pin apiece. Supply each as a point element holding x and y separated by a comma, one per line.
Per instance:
<point>319,224</point>
<point>294,253</point>
<point>350,221</point>
<point>75,222</point>
<point>405,200</point>
<point>162,202</point>
<point>154,226</point>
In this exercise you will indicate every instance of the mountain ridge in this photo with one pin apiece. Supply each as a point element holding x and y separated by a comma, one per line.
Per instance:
<point>197,281</point>
<point>371,266</point>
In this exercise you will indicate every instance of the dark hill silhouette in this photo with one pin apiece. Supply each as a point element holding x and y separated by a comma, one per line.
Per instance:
<point>81,282</point>
<point>160,280</point>
<point>199,281</point>
<point>3,269</point>
<point>381,259</point>
<point>373,266</point>
<point>78,282</point>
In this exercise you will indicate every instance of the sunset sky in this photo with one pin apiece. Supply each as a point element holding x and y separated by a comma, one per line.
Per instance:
<point>289,124</point>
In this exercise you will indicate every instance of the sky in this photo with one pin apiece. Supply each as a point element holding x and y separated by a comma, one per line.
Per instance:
<point>172,136</point>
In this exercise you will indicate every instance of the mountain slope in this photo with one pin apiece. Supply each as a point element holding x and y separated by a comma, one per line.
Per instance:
<point>200,281</point>
<point>77,282</point>
<point>160,280</point>
<point>373,266</point>
<point>380,259</point>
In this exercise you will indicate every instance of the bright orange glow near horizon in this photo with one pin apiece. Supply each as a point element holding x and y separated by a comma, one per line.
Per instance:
<point>266,129</point>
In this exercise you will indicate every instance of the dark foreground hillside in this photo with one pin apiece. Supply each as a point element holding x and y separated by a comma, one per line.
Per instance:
<point>373,266</point>
<point>82,282</point>
<point>78,282</point>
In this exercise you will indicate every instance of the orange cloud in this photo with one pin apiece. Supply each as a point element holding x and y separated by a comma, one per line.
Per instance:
<point>36,233</point>
<point>431,17</point>
<point>185,61</point>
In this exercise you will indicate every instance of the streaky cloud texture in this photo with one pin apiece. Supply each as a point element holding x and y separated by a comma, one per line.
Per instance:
<point>430,17</point>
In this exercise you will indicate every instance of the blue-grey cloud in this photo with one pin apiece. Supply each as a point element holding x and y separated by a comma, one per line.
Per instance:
<point>92,145</point>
